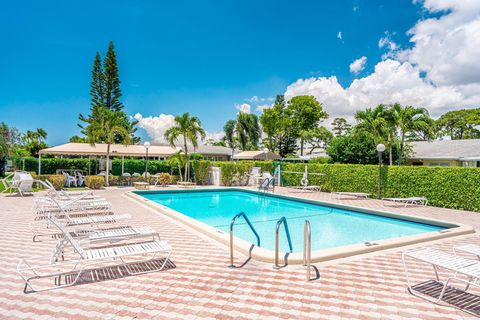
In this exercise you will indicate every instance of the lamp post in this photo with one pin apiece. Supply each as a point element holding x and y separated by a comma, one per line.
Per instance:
<point>380,149</point>
<point>146,145</point>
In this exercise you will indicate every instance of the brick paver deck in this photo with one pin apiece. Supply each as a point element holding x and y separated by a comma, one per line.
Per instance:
<point>201,286</point>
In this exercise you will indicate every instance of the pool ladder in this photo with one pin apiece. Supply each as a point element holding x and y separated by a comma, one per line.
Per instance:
<point>307,248</point>
<point>307,241</point>
<point>238,215</point>
<point>281,221</point>
<point>266,183</point>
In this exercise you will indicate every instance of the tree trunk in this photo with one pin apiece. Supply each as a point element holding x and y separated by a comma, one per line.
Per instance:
<point>186,158</point>
<point>390,153</point>
<point>301,147</point>
<point>108,166</point>
<point>400,155</point>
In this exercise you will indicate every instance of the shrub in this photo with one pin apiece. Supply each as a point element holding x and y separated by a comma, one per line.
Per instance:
<point>51,165</point>
<point>228,171</point>
<point>94,182</point>
<point>201,170</point>
<point>449,187</point>
<point>165,178</point>
<point>57,180</point>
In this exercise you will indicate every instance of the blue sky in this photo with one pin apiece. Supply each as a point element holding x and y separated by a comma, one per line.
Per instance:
<point>198,56</point>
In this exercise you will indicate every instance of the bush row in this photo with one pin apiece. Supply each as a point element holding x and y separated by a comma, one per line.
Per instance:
<point>449,187</point>
<point>51,165</point>
<point>232,173</point>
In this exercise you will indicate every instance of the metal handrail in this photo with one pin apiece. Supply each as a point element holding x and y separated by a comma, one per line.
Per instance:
<point>238,215</point>
<point>307,247</point>
<point>266,184</point>
<point>277,229</point>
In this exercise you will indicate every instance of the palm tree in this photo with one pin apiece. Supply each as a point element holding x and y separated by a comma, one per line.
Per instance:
<point>409,119</point>
<point>190,128</point>
<point>108,127</point>
<point>177,160</point>
<point>248,131</point>
<point>373,122</point>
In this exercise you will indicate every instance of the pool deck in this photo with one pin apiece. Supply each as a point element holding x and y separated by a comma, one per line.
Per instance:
<point>199,285</point>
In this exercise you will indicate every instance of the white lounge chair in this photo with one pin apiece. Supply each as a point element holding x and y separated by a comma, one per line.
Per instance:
<point>88,256</point>
<point>469,248</point>
<point>75,213</point>
<point>461,269</point>
<point>7,182</point>
<point>22,182</point>
<point>339,195</point>
<point>406,201</point>
<point>66,195</point>
<point>45,204</point>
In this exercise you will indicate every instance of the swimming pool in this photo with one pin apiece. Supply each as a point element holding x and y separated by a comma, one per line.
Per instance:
<point>332,226</point>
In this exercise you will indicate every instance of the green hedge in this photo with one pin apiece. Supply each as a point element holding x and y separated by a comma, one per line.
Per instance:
<point>133,165</point>
<point>232,172</point>
<point>449,187</point>
<point>50,165</point>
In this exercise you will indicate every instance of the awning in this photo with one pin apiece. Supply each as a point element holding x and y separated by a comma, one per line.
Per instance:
<point>100,149</point>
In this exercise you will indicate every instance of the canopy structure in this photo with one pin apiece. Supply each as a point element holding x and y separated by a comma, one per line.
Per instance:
<point>256,155</point>
<point>100,149</point>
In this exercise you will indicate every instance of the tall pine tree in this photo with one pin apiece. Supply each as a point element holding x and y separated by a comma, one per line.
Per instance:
<point>112,81</point>
<point>105,93</point>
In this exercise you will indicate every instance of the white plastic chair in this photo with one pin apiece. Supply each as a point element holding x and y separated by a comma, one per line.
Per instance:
<point>69,180</point>
<point>80,179</point>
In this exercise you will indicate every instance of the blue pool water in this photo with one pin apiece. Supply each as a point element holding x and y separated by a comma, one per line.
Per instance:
<point>331,227</point>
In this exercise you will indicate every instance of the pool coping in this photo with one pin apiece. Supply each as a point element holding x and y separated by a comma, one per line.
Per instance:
<point>296,258</point>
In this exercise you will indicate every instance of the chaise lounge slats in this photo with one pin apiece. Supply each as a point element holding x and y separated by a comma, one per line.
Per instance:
<point>439,258</point>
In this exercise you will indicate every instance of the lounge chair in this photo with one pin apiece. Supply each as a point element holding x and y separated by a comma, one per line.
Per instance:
<point>463,270</point>
<point>469,248</point>
<point>7,182</point>
<point>88,256</point>
<point>339,195</point>
<point>406,201</point>
<point>66,195</point>
<point>75,213</point>
<point>22,182</point>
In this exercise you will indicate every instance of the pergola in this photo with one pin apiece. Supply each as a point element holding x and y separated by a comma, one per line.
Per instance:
<point>100,149</point>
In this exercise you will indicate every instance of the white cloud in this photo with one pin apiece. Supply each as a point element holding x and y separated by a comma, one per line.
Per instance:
<point>440,71</point>
<point>215,136</point>
<point>262,107</point>
<point>244,107</point>
<point>339,35</point>
<point>253,99</point>
<point>447,48</point>
<point>358,65</point>
<point>156,126</point>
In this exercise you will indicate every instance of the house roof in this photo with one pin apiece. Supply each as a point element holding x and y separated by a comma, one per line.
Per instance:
<point>256,155</point>
<point>446,149</point>
<point>99,149</point>
<point>211,150</point>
